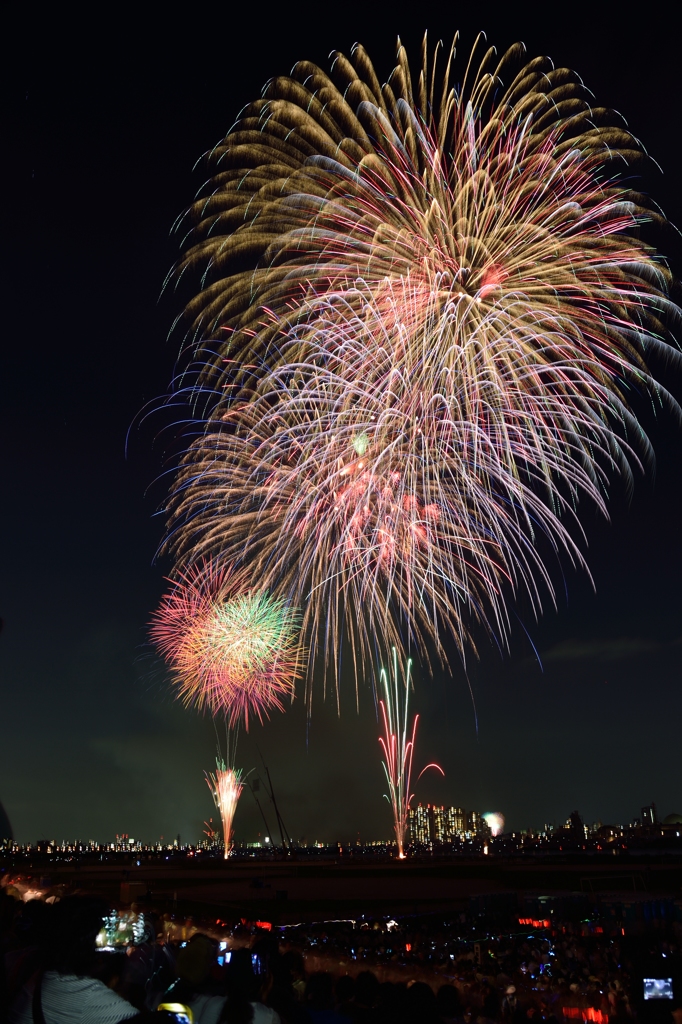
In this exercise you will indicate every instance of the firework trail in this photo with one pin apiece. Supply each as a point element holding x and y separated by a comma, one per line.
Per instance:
<point>226,786</point>
<point>232,651</point>
<point>397,744</point>
<point>424,312</point>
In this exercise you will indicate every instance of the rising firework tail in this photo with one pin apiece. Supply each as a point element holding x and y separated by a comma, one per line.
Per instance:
<point>226,787</point>
<point>424,312</point>
<point>397,744</point>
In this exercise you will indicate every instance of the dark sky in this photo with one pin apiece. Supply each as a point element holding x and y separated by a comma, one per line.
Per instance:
<point>103,121</point>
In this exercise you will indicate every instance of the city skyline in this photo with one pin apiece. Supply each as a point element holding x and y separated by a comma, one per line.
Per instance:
<point>89,733</point>
<point>429,827</point>
<point>427,823</point>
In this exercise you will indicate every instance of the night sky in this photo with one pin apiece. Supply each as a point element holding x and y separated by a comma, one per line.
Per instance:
<point>103,122</point>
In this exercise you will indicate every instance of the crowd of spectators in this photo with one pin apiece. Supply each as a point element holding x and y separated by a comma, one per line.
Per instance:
<point>548,970</point>
<point>535,975</point>
<point>384,972</point>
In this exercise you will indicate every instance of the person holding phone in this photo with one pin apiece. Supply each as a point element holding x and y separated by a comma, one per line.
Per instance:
<point>67,989</point>
<point>247,990</point>
<point>193,986</point>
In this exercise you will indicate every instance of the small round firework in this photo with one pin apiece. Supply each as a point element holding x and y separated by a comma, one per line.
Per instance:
<point>232,650</point>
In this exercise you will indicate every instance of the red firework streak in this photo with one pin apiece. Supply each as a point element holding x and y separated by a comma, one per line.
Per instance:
<point>397,745</point>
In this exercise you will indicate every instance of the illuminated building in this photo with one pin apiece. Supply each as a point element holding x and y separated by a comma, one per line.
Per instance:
<point>447,823</point>
<point>419,824</point>
<point>438,824</point>
<point>455,819</point>
<point>432,824</point>
<point>474,822</point>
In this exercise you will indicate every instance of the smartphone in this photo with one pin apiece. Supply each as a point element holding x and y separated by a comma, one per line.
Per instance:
<point>256,963</point>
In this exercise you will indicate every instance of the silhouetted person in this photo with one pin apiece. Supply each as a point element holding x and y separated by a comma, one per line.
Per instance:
<point>25,939</point>
<point>421,1004</point>
<point>288,989</point>
<point>365,1000</point>
<point>293,964</point>
<point>449,1004</point>
<point>246,993</point>
<point>510,1009</point>
<point>193,987</point>
<point>392,1003</point>
<point>344,992</point>
<point>67,990</point>
<point>491,1004</point>
<point>319,997</point>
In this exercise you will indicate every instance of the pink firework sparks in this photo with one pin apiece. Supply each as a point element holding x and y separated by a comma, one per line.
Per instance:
<point>226,787</point>
<point>232,650</point>
<point>425,314</point>
<point>397,744</point>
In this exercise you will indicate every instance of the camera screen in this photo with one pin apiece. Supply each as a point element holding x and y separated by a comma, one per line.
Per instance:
<point>658,988</point>
<point>121,929</point>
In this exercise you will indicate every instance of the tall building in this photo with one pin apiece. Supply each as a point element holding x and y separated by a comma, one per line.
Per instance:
<point>419,824</point>
<point>456,821</point>
<point>474,822</point>
<point>431,824</point>
<point>447,823</point>
<point>438,824</point>
<point>649,815</point>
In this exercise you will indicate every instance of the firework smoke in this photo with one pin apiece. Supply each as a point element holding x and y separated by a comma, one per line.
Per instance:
<point>495,822</point>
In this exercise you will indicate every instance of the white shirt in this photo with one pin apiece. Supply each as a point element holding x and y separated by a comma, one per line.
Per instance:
<point>67,999</point>
<point>206,1009</point>
<point>264,1015</point>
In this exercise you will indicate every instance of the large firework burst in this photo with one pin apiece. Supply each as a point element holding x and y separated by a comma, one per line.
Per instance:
<point>232,651</point>
<point>423,312</point>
